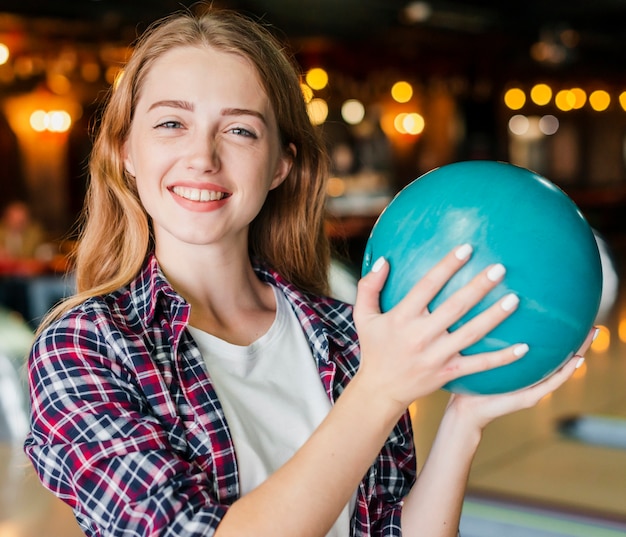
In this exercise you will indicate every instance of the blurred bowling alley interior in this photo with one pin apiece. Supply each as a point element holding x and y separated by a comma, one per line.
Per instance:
<point>398,88</point>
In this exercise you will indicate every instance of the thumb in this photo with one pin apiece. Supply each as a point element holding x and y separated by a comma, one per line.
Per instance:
<point>369,288</point>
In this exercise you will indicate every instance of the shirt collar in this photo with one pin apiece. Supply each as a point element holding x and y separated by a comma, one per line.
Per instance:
<point>316,314</point>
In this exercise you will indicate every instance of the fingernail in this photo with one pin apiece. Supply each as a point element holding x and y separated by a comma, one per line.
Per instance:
<point>463,252</point>
<point>509,302</point>
<point>496,272</point>
<point>580,362</point>
<point>596,333</point>
<point>379,264</point>
<point>520,349</point>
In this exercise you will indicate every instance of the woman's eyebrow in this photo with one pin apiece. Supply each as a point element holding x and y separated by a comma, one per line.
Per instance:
<point>184,105</point>
<point>243,112</point>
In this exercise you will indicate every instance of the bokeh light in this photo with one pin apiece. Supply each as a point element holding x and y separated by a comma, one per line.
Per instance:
<point>402,91</point>
<point>318,111</point>
<point>4,54</point>
<point>353,111</point>
<point>53,121</point>
<point>565,100</point>
<point>307,92</point>
<point>541,94</point>
<point>317,78</point>
<point>519,124</point>
<point>580,97</point>
<point>549,125</point>
<point>515,98</point>
<point>599,100</point>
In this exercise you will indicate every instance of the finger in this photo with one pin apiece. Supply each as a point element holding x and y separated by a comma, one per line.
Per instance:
<point>461,365</point>
<point>427,288</point>
<point>535,393</point>
<point>476,328</point>
<point>369,288</point>
<point>591,337</point>
<point>462,300</point>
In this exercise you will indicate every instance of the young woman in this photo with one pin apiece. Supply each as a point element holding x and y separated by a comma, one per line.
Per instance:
<point>200,383</point>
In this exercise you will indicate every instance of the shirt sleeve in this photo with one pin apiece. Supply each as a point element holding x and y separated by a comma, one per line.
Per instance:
<point>96,445</point>
<point>391,477</point>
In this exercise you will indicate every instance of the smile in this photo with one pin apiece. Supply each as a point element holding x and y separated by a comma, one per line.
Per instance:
<point>198,194</point>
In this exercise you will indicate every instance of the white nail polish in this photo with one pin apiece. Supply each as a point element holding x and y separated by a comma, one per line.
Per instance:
<point>580,362</point>
<point>496,272</point>
<point>379,264</point>
<point>596,333</point>
<point>509,302</point>
<point>463,252</point>
<point>520,349</point>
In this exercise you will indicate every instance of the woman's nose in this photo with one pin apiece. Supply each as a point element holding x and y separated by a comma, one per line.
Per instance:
<point>204,153</point>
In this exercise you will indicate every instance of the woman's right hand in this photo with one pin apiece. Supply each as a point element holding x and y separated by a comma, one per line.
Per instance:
<point>408,352</point>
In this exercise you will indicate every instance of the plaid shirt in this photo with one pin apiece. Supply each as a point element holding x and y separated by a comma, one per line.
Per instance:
<point>127,429</point>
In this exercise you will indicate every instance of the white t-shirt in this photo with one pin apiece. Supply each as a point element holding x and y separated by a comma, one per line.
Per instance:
<point>272,397</point>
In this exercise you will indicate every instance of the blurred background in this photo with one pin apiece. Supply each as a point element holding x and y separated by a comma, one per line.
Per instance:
<point>398,88</point>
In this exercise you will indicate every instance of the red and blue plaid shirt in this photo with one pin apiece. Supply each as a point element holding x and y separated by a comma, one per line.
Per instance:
<point>127,429</point>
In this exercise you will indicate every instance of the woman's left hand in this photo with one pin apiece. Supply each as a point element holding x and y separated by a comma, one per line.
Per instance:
<point>482,409</point>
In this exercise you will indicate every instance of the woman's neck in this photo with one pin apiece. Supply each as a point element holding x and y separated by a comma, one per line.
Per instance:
<point>227,298</point>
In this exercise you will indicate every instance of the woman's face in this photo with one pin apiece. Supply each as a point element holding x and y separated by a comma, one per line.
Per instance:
<point>204,148</point>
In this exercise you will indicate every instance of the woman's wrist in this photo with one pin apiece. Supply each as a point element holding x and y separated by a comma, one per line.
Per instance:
<point>460,420</point>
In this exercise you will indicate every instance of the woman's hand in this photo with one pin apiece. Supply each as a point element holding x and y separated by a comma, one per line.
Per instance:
<point>408,352</point>
<point>479,410</point>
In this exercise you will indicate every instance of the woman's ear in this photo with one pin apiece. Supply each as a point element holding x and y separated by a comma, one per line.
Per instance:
<point>128,163</point>
<point>284,165</point>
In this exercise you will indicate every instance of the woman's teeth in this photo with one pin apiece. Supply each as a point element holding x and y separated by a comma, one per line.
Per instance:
<point>197,194</point>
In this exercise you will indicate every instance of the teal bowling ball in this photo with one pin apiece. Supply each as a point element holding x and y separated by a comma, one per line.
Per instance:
<point>512,216</point>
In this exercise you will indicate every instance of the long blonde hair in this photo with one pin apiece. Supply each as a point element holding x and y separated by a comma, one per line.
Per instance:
<point>288,234</point>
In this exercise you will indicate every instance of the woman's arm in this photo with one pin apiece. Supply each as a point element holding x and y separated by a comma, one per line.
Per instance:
<point>433,507</point>
<point>406,353</point>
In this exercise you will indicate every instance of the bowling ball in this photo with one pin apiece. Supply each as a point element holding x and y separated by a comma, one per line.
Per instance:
<point>512,216</point>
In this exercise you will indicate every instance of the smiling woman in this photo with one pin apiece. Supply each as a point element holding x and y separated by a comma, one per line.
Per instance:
<point>203,127</point>
<point>208,385</point>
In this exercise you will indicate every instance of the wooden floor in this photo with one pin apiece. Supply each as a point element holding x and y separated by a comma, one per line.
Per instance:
<point>523,458</point>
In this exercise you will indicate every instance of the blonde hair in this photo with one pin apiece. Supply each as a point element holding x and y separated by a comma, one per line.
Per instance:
<point>288,234</point>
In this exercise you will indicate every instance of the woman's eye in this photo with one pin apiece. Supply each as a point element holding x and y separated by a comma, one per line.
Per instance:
<point>170,125</point>
<point>240,131</point>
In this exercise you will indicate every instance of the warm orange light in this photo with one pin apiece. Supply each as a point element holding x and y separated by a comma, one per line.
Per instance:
<point>580,97</point>
<point>59,84</point>
<point>621,330</point>
<point>317,78</point>
<point>336,187</point>
<point>515,98</point>
<point>398,123</point>
<point>90,71</point>
<point>4,54</point>
<point>622,100</point>
<point>53,121</point>
<point>599,100</point>
<point>541,94</point>
<point>413,124</point>
<point>318,111</point>
<point>307,92</point>
<point>565,100</point>
<point>402,91</point>
<point>39,120</point>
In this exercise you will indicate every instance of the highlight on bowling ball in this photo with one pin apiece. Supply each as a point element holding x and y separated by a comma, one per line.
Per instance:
<point>513,216</point>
